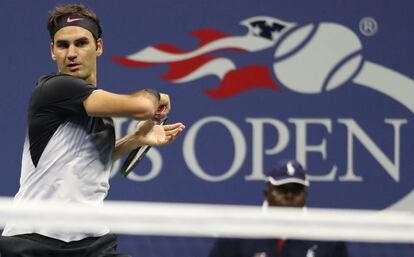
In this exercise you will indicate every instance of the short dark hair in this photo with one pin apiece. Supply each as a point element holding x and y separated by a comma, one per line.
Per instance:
<point>69,9</point>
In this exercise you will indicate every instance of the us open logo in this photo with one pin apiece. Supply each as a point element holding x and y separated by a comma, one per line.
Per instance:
<point>309,59</point>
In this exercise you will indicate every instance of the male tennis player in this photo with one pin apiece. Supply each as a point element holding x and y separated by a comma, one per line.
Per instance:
<point>70,143</point>
<point>286,186</point>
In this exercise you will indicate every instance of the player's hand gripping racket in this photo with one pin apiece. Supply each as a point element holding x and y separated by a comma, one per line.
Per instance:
<point>135,156</point>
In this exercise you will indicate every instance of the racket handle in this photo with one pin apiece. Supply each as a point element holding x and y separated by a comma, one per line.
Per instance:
<point>125,170</point>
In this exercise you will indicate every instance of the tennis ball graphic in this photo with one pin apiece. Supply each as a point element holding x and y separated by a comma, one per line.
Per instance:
<point>314,60</point>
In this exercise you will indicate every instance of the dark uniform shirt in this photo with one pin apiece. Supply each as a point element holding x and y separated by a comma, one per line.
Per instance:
<point>272,248</point>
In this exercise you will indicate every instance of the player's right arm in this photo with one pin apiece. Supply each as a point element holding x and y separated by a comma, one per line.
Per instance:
<point>68,95</point>
<point>140,105</point>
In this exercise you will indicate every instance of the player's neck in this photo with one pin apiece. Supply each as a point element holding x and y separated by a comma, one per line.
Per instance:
<point>92,79</point>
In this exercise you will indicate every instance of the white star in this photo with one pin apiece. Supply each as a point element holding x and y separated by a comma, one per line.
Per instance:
<point>275,35</point>
<point>256,31</point>
<point>269,22</point>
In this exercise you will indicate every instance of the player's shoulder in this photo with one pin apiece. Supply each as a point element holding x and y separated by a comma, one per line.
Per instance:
<point>60,79</point>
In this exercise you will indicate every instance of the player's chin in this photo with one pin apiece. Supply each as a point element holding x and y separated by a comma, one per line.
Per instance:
<point>77,73</point>
<point>71,72</point>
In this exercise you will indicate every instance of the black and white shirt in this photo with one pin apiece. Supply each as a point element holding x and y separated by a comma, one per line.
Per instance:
<point>67,154</point>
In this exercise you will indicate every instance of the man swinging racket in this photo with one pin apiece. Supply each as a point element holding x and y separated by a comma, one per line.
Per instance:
<point>70,142</point>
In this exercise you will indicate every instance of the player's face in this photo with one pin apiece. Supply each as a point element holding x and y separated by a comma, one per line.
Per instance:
<point>287,195</point>
<point>75,52</point>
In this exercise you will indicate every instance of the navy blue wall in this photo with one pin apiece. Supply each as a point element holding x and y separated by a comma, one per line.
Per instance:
<point>339,101</point>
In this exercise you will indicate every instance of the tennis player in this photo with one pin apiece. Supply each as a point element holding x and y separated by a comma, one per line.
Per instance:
<point>70,143</point>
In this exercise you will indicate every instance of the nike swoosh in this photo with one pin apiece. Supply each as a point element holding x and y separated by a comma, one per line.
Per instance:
<point>72,20</point>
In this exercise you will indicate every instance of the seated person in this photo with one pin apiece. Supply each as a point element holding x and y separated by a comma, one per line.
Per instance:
<point>286,186</point>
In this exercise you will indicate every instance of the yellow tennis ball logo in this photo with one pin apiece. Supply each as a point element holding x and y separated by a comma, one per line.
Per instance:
<point>314,60</point>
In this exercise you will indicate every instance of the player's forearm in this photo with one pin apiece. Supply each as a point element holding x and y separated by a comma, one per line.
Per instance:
<point>124,146</point>
<point>150,102</point>
<point>140,105</point>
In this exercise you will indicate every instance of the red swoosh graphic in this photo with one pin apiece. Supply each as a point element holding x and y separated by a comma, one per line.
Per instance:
<point>243,79</point>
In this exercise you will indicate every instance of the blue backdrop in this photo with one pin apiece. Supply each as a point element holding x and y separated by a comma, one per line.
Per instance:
<point>329,83</point>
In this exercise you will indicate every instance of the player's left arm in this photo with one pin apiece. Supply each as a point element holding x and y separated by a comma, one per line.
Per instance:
<point>147,133</point>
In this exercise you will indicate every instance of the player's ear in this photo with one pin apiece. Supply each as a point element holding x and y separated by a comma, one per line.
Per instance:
<point>52,54</point>
<point>99,47</point>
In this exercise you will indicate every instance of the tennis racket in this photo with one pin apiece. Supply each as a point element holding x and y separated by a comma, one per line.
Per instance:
<point>135,156</point>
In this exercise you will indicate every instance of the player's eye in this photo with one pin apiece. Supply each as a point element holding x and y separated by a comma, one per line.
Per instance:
<point>62,44</point>
<point>81,42</point>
